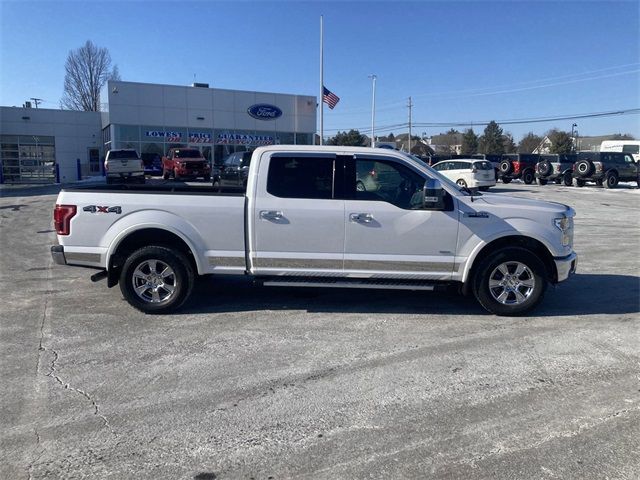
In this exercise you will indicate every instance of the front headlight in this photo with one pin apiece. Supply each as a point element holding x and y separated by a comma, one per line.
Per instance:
<point>565,225</point>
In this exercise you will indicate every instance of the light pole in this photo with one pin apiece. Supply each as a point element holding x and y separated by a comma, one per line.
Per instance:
<point>373,111</point>
<point>573,138</point>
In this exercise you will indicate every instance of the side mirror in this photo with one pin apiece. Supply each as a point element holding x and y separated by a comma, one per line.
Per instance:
<point>433,195</point>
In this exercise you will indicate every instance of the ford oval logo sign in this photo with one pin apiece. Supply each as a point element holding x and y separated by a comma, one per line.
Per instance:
<point>263,111</point>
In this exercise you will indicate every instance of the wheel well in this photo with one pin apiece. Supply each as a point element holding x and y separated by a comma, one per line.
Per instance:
<point>143,238</point>
<point>528,243</point>
<point>612,170</point>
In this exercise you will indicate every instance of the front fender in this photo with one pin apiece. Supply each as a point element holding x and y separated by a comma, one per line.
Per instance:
<point>521,227</point>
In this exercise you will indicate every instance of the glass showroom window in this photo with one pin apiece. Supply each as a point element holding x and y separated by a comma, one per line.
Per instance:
<point>285,138</point>
<point>134,145</point>
<point>304,138</point>
<point>127,133</point>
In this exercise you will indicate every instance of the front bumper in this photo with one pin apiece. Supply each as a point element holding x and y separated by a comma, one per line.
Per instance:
<point>566,266</point>
<point>57,253</point>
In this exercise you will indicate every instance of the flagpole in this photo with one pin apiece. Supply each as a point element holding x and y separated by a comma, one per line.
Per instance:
<point>321,84</point>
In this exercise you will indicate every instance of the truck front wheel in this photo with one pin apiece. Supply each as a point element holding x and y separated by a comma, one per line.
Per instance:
<point>510,282</point>
<point>156,279</point>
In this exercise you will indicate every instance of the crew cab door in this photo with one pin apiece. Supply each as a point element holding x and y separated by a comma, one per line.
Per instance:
<point>387,233</point>
<point>297,216</point>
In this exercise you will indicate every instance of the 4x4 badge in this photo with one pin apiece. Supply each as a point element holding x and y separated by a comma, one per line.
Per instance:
<point>96,209</point>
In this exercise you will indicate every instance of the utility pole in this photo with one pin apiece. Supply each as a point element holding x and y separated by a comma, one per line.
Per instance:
<point>409,105</point>
<point>37,101</point>
<point>373,110</point>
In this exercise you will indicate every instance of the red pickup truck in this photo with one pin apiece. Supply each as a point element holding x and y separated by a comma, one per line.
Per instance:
<point>185,163</point>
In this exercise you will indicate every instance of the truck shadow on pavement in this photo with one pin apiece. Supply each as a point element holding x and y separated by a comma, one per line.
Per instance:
<point>583,294</point>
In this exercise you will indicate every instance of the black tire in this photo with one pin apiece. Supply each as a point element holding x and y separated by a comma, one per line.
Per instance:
<point>600,182</point>
<point>578,182</point>
<point>528,177</point>
<point>150,290</point>
<point>207,178</point>
<point>461,183</point>
<point>360,186</point>
<point>544,168</point>
<point>558,181</point>
<point>584,168</point>
<point>495,170</point>
<point>567,179</point>
<point>505,167</point>
<point>216,185</point>
<point>166,175</point>
<point>611,180</point>
<point>516,292</point>
<point>542,181</point>
<point>506,179</point>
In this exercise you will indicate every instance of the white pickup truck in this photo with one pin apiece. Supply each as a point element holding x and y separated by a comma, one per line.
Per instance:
<point>349,217</point>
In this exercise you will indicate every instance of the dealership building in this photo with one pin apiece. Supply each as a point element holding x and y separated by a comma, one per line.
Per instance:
<point>47,146</point>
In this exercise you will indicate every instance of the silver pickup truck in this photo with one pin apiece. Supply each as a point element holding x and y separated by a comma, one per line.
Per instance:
<point>348,217</point>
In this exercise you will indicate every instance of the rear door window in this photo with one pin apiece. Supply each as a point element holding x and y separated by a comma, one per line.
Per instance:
<point>301,177</point>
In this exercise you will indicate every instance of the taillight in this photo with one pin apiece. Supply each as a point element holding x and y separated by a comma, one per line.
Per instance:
<point>62,216</point>
<point>516,167</point>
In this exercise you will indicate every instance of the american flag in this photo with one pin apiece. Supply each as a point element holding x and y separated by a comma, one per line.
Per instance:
<point>329,97</point>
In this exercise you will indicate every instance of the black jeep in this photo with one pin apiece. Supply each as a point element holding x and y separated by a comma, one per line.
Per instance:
<point>605,168</point>
<point>518,165</point>
<point>556,168</point>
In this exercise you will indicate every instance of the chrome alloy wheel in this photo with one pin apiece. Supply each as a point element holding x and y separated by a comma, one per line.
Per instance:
<point>154,281</point>
<point>511,283</point>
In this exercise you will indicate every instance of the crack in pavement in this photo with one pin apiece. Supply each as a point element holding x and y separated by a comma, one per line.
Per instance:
<point>52,373</point>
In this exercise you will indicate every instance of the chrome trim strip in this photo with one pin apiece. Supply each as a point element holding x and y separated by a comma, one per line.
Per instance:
<point>226,261</point>
<point>394,265</point>
<point>305,263</point>
<point>82,257</point>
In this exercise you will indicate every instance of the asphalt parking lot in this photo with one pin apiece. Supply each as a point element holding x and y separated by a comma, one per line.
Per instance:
<point>253,382</point>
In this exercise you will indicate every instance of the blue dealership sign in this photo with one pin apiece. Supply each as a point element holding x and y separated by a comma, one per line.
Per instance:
<point>264,111</point>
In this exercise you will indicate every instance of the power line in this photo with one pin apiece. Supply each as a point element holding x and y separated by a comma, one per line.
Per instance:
<point>513,121</point>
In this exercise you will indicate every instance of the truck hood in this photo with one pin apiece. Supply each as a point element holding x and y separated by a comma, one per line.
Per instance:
<point>513,205</point>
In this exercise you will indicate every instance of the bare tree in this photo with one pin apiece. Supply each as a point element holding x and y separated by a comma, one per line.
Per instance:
<point>87,69</point>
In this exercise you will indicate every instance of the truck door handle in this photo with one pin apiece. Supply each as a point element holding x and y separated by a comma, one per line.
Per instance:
<point>271,215</point>
<point>361,217</point>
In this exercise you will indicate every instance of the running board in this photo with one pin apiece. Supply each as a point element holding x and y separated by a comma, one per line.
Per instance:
<point>381,284</point>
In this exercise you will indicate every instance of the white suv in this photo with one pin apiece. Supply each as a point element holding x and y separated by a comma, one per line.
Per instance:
<point>124,164</point>
<point>469,173</point>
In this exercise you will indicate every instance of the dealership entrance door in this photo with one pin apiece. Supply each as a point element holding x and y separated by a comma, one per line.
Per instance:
<point>27,159</point>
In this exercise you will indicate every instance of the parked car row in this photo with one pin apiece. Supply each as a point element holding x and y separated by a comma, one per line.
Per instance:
<point>603,168</point>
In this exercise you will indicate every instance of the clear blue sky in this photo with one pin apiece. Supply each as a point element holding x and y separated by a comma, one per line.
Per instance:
<point>460,61</point>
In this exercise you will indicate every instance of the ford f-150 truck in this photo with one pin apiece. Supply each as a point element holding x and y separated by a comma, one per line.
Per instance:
<point>305,220</point>
<point>185,163</point>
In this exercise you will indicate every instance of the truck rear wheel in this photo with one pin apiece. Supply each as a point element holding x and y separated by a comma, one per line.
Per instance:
<point>156,279</point>
<point>510,282</point>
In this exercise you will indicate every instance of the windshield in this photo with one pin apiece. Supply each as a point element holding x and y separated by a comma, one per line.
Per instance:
<point>187,154</point>
<point>435,174</point>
